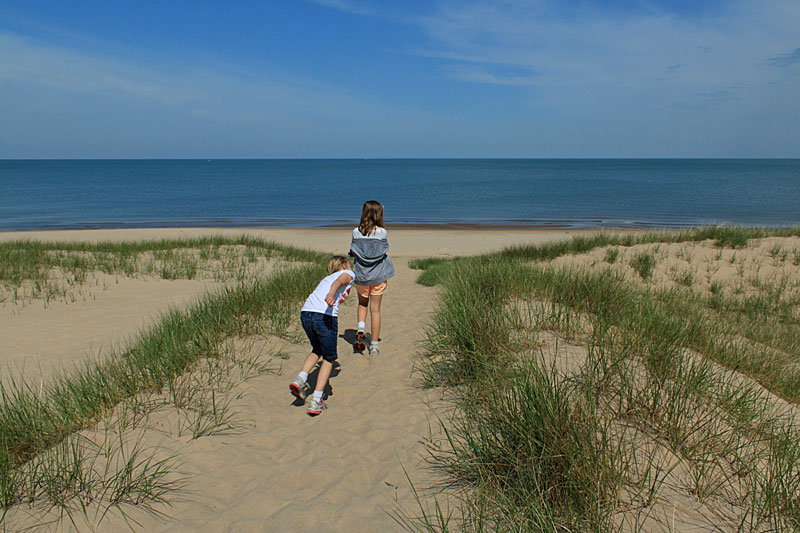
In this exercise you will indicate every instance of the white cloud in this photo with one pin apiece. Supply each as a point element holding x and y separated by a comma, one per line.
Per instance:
<point>32,62</point>
<point>645,83</point>
<point>59,102</point>
<point>28,61</point>
<point>597,50</point>
<point>482,74</point>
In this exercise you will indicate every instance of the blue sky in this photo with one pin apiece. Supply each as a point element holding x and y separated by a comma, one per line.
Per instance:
<point>437,78</point>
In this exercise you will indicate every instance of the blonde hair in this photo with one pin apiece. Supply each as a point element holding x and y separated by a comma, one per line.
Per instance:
<point>371,217</point>
<point>336,263</point>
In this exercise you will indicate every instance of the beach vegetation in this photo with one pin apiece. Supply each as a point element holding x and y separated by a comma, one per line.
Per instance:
<point>684,253</point>
<point>71,448</point>
<point>684,278</point>
<point>734,237</point>
<point>644,263</point>
<point>779,254</point>
<point>721,236</point>
<point>51,270</point>
<point>612,253</point>
<point>586,399</point>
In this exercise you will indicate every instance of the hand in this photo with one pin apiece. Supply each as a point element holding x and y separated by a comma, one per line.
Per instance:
<point>330,299</point>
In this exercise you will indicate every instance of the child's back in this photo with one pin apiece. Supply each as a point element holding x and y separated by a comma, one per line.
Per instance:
<point>372,264</point>
<point>372,267</point>
<point>376,233</point>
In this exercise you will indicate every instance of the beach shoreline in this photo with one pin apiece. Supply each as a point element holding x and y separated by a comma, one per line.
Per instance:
<point>422,241</point>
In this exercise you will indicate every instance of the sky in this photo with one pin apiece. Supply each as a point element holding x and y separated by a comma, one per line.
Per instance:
<point>383,79</point>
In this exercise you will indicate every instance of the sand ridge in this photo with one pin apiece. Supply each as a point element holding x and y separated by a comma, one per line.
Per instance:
<point>40,340</point>
<point>282,469</point>
<point>402,242</point>
<point>341,471</point>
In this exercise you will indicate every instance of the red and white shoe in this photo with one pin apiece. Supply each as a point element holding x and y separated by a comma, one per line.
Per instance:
<point>299,389</point>
<point>316,407</point>
<point>360,344</point>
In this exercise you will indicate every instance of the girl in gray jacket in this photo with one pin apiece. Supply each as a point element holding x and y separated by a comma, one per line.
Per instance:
<point>373,267</point>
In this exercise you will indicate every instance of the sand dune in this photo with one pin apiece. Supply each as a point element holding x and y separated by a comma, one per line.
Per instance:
<point>341,471</point>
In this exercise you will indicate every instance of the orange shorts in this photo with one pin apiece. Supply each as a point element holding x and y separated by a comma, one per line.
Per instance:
<point>366,290</point>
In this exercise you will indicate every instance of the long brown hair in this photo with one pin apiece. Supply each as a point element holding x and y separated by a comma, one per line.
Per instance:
<point>371,217</point>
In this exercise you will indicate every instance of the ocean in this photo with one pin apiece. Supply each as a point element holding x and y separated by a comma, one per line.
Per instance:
<point>649,193</point>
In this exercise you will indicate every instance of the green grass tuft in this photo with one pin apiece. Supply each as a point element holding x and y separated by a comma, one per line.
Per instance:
<point>644,263</point>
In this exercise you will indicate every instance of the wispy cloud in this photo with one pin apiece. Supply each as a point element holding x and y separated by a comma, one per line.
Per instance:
<point>592,47</point>
<point>492,75</point>
<point>29,61</point>
<point>680,84</point>
<point>345,6</point>
<point>60,102</point>
<point>212,89</point>
<point>785,60</point>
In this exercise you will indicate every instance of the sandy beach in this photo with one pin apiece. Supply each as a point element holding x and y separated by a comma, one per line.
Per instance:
<point>407,243</point>
<point>264,465</point>
<point>338,472</point>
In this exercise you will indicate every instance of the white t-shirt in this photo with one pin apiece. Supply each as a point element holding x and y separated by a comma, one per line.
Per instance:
<point>316,302</point>
<point>377,233</point>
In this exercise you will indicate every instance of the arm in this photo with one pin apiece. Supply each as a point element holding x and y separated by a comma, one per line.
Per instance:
<point>344,279</point>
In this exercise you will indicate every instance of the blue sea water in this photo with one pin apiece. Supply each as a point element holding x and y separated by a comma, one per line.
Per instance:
<point>51,194</point>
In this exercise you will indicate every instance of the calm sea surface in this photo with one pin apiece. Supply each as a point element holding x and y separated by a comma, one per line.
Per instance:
<point>312,193</point>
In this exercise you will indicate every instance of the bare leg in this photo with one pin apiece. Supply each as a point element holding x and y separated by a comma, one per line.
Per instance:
<point>361,313</point>
<point>375,315</point>
<point>311,360</point>
<point>324,374</point>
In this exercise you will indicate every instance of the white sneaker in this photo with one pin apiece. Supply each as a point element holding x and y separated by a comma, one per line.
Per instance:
<point>316,407</point>
<point>373,350</point>
<point>299,388</point>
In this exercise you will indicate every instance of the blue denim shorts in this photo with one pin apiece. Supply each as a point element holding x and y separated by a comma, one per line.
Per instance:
<point>323,332</point>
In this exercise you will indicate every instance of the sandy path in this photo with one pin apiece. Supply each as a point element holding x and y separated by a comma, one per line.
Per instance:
<point>340,471</point>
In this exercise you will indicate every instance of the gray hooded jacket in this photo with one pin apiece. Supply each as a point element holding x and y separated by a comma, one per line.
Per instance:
<point>372,265</point>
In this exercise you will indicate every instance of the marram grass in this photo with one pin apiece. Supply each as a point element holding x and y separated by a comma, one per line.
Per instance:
<point>27,267</point>
<point>722,236</point>
<point>533,449</point>
<point>37,424</point>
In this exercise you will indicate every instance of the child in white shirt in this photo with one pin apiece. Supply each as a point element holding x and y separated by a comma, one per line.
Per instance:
<point>319,317</point>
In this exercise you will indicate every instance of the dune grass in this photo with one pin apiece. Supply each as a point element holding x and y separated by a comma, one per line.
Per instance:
<point>667,401</point>
<point>722,236</point>
<point>42,456</point>
<point>48,270</point>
